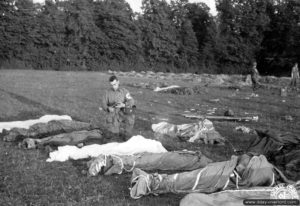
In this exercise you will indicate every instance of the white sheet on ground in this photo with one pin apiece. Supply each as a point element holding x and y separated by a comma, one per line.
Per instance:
<point>27,123</point>
<point>164,128</point>
<point>203,131</point>
<point>159,89</point>
<point>136,144</point>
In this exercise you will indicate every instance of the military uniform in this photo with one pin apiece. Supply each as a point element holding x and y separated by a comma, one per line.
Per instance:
<point>294,76</point>
<point>119,116</point>
<point>255,78</point>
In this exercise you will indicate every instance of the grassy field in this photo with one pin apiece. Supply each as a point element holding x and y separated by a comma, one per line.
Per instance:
<point>27,179</point>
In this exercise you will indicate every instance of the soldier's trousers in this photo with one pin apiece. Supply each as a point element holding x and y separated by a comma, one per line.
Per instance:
<point>118,119</point>
<point>294,82</point>
<point>255,83</point>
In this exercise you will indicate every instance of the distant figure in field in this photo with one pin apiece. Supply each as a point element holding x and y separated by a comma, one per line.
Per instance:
<point>118,105</point>
<point>295,76</point>
<point>255,77</point>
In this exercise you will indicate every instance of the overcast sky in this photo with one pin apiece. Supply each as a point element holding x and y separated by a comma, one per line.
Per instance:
<point>136,4</point>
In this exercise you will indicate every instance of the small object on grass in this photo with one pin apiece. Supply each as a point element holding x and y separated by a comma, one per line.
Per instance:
<point>244,129</point>
<point>159,89</point>
<point>232,95</point>
<point>80,145</point>
<point>254,95</point>
<point>211,111</point>
<point>214,100</point>
<point>288,118</point>
<point>283,92</point>
<point>229,113</point>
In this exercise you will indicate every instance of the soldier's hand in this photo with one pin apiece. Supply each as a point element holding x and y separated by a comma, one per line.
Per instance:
<point>120,105</point>
<point>111,109</point>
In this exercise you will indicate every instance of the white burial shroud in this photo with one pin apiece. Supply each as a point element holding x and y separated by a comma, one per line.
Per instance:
<point>161,89</point>
<point>27,123</point>
<point>136,144</point>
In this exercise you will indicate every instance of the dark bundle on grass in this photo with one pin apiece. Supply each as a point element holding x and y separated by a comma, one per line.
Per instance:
<point>180,91</point>
<point>198,89</point>
<point>185,90</point>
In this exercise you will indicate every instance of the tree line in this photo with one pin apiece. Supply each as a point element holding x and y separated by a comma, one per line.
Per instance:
<point>176,36</point>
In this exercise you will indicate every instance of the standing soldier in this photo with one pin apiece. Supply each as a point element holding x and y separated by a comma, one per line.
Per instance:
<point>255,77</point>
<point>118,105</point>
<point>295,76</point>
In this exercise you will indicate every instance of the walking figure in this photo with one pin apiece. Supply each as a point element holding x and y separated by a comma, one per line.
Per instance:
<point>295,76</point>
<point>255,77</point>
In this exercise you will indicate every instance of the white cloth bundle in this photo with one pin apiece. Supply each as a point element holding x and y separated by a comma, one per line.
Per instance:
<point>160,89</point>
<point>27,123</point>
<point>136,144</point>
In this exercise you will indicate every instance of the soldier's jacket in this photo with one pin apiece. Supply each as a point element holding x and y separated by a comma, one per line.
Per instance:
<point>255,73</point>
<point>295,72</point>
<point>112,98</point>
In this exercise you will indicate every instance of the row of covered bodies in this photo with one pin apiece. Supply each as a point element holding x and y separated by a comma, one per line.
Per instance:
<point>202,176</point>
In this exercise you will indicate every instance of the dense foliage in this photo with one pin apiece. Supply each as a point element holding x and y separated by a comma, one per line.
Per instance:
<point>173,37</point>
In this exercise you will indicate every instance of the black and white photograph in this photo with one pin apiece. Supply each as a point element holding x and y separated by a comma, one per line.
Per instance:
<point>149,102</point>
